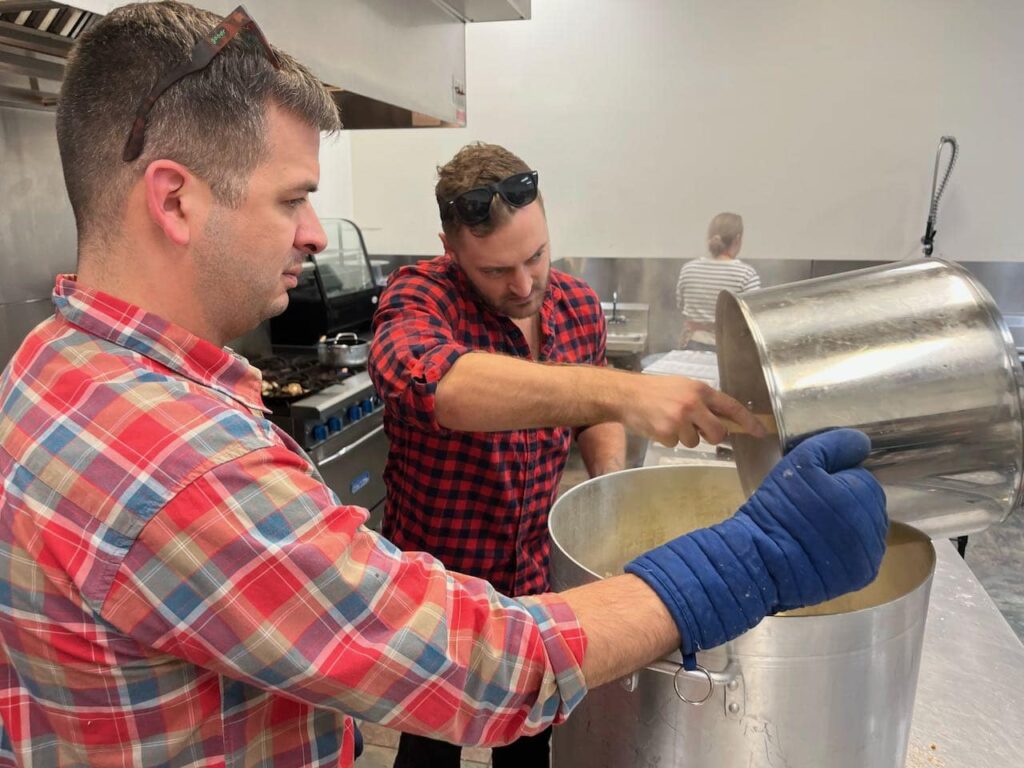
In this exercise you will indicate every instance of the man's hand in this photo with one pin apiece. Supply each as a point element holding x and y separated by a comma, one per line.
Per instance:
<point>673,409</point>
<point>814,530</point>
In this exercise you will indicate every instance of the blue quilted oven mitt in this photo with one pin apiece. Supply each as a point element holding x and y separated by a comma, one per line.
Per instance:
<point>814,530</point>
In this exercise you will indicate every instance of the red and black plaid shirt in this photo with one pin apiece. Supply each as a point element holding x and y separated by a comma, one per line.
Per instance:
<point>477,501</point>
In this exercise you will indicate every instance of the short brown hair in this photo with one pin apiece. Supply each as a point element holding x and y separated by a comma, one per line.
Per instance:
<point>476,165</point>
<point>212,121</point>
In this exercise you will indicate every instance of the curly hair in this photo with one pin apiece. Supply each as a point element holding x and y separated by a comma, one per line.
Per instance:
<point>476,165</point>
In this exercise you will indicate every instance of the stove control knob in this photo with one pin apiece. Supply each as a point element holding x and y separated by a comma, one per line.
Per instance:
<point>355,413</point>
<point>334,424</point>
<point>367,407</point>
<point>319,432</point>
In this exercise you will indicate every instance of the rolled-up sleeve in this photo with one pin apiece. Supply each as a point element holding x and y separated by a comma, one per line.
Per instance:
<point>255,571</point>
<point>413,348</point>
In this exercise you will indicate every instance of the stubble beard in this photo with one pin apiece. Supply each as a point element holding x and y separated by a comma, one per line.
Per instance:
<point>230,301</point>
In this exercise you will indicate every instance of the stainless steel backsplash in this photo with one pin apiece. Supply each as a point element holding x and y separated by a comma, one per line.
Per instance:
<point>653,281</point>
<point>37,230</point>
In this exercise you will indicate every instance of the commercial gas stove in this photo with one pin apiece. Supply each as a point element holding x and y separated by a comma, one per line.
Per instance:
<point>314,402</point>
<point>337,418</point>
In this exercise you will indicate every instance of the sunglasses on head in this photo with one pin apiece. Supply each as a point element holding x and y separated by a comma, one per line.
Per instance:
<point>204,52</point>
<point>474,205</point>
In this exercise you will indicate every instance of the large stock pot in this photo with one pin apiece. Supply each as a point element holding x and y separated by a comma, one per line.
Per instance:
<point>827,686</point>
<point>913,353</point>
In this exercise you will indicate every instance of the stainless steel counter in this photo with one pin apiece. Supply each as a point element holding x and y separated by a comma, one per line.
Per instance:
<point>969,708</point>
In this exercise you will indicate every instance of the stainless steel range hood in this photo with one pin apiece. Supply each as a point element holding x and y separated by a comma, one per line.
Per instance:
<point>488,10</point>
<point>389,63</point>
<point>35,37</point>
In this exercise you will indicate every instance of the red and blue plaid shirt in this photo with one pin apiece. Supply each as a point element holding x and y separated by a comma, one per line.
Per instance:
<point>179,588</point>
<point>477,501</point>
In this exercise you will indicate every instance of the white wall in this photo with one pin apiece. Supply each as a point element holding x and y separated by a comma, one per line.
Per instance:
<point>818,121</point>
<point>333,198</point>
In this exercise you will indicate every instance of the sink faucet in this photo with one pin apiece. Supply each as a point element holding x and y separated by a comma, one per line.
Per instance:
<point>615,319</point>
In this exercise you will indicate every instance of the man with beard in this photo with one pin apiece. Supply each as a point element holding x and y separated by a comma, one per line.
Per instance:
<point>490,362</point>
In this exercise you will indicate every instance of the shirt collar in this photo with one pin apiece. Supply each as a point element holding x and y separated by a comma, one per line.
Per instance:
<point>149,335</point>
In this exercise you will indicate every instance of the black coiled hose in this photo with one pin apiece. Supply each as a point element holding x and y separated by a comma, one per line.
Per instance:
<point>933,211</point>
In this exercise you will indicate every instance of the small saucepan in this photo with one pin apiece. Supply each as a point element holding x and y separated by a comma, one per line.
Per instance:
<point>343,350</point>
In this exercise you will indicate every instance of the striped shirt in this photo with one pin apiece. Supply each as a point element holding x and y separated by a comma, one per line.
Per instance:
<point>179,588</point>
<point>701,280</point>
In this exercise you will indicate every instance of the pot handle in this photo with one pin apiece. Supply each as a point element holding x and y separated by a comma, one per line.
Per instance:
<point>676,670</point>
<point>726,677</point>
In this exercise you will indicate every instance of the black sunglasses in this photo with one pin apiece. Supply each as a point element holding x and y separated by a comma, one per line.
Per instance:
<point>204,52</point>
<point>474,205</point>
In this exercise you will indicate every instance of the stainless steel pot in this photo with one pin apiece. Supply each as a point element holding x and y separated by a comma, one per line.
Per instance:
<point>916,355</point>
<point>827,686</point>
<point>343,350</point>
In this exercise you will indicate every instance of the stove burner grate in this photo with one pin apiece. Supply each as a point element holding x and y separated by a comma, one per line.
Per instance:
<point>289,378</point>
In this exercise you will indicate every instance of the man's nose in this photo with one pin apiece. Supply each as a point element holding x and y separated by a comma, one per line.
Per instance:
<point>310,236</point>
<point>522,283</point>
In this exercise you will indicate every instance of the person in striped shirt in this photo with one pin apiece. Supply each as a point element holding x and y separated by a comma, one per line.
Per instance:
<point>701,280</point>
<point>178,586</point>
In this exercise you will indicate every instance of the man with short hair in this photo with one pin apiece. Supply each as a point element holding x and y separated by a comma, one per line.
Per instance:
<point>177,585</point>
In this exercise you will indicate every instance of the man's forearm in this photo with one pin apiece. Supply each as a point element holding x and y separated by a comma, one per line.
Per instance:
<point>626,624</point>
<point>486,392</point>
<point>603,448</point>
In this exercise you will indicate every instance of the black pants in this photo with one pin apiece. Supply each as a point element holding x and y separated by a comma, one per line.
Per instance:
<point>421,752</point>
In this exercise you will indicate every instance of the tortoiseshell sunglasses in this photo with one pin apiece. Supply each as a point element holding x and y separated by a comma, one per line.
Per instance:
<point>204,52</point>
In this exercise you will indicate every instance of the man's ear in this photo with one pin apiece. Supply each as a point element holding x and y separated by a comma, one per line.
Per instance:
<point>172,192</point>
<point>448,250</point>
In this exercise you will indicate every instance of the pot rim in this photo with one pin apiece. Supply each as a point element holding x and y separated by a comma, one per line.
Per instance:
<point>563,552</point>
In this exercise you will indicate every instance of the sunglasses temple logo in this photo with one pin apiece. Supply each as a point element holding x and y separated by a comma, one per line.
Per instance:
<point>218,35</point>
